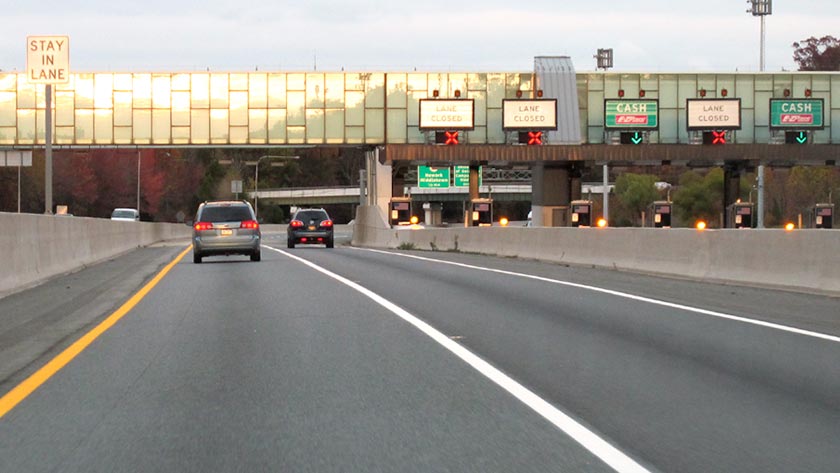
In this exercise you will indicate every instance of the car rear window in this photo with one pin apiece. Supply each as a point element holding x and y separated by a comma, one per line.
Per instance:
<point>233,213</point>
<point>307,216</point>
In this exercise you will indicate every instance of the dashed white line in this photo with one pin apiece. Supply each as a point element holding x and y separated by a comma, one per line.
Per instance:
<point>599,447</point>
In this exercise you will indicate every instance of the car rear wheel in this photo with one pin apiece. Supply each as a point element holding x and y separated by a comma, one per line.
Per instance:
<point>330,243</point>
<point>196,258</point>
<point>255,256</point>
<point>290,243</point>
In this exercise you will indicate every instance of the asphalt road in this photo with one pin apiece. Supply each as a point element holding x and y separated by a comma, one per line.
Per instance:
<point>283,366</point>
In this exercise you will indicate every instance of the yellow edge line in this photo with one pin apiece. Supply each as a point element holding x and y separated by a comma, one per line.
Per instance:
<point>27,387</point>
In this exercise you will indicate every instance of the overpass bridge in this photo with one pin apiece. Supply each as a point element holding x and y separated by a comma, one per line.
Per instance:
<point>381,112</point>
<point>351,195</point>
<point>502,184</point>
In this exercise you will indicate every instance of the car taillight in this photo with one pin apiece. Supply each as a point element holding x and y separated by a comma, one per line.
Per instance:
<point>296,224</point>
<point>251,224</point>
<point>327,223</point>
<point>201,226</point>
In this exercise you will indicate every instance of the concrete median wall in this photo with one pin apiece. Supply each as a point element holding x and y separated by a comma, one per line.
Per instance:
<point>806,260</point>
<point>36,247</point>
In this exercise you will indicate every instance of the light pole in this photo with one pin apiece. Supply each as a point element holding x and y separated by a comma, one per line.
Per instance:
<point>605,188</point>
<point>761,8</point>
<point>257,177</point>
<point>138,181</point>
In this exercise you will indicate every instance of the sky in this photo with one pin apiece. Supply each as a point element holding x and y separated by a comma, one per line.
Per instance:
<point>426,35</point>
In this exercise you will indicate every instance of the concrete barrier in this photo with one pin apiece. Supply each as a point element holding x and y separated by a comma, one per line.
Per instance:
<point>35,247</point>
<point>803,260</point>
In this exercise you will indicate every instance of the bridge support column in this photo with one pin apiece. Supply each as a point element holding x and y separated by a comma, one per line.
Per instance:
<point>731,188</point>
<point>474,189</point>
<point>553,189</point>
<point>378,181</point>
<point>475,179</point>
<point>433,213</point>
<point>398,182</point>
<point>576,183</point>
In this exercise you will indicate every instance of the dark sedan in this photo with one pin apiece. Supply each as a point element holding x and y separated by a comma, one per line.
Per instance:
<point>311,227</point>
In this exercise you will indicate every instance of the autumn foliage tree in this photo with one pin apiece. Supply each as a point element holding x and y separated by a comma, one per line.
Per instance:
<point>817,54</point>
<point>92,183</point>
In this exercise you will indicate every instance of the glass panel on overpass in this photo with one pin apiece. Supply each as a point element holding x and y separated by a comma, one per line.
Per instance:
<point>295,108</point>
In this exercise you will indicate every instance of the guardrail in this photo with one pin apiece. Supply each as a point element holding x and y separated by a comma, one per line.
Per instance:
<point>802,260</point>
<point>36,247</point>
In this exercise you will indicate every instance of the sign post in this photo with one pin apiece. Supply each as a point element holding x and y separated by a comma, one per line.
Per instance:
<point>48,62</point>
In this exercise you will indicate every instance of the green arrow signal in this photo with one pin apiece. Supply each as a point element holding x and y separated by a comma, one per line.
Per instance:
<point>802,138</point>
<point>636,138</point>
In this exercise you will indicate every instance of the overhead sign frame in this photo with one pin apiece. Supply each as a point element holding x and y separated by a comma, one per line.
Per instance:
<point>529,114</point>
<point>714,114</point>
<point>447,114</point>
<point>778,113</point>
<point>636,113</point>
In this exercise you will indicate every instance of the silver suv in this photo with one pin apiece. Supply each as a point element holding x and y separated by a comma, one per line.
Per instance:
<point>226,228</point>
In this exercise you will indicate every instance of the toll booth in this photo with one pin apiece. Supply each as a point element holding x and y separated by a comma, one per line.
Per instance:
<point>662,214</point>
<point>741,215</point>
<point>481,213</point>
<point>400,211</point>
<point>581,213</point>
<point>823,215</point>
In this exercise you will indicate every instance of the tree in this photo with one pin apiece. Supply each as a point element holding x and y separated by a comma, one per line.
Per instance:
<point>635,192</point>
<point>817,54</point>
<point>699,197</point>
<point>74,183</point>
<point>806,186</point>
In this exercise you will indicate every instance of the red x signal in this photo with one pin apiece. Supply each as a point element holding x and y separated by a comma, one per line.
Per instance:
<point>531,137</point>
<point>718,137</point>
<point>451,138</point>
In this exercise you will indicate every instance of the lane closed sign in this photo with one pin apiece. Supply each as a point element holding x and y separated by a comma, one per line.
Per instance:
<point>714,114</point>
<point>48,59</point>
<point>533,114</point>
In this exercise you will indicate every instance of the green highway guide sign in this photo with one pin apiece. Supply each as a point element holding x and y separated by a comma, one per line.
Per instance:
<point>432,177</point>
<point>797,113</point>
<point>462,176</point>
<point>631,114</point>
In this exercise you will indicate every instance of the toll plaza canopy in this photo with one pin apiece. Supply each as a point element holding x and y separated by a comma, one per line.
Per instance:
<point>593,109</point>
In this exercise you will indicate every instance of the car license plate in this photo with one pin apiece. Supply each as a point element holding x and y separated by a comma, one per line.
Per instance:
<point>312,227</point>
<point>226,232</point>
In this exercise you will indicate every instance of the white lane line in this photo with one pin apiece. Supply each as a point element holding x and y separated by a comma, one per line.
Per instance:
<point>599,447</point>
<point>625,295</point>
